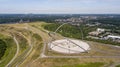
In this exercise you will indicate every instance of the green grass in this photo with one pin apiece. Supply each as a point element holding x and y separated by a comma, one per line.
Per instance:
<point>2,36</point>
<point>22,42</point>
<point>37,37</point>
<point>74,32</point>
<point>97,64</point>
<point>118,66</point>
<point>9,53</point>
<point>3,47</point>
<point>67,30</point>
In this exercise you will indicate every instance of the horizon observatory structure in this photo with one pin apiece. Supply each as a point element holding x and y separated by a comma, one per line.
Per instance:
<point>67,45</point>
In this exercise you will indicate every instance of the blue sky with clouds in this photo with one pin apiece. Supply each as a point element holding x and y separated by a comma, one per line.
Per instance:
<point>60,6</point>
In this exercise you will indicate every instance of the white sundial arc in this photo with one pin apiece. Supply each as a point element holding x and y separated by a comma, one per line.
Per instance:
<point>67,45</point>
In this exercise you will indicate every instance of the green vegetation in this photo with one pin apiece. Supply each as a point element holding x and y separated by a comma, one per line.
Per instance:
<point>118,66</point>
<point>76,32</point>
<point>10,51</point>
<point>70,30</point>
<point>97,64</point>
<point>67,30</point>
<point>104,41</point>
<point>3,47</point>
<point>2,36</point>
<point>113,21</point>
<point>22,41</point>
<point>31,46</point>
<point>37,37</point>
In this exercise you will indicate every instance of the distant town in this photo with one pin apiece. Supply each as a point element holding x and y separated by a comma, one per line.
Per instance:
<point>100,33</point>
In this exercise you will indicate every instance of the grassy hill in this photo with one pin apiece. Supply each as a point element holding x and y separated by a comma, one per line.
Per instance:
<point>22,44</point>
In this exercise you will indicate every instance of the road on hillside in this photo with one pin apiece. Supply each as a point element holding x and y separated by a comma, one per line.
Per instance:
<point>18,48</point>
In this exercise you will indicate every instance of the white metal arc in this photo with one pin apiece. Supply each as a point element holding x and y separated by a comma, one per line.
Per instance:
<point>63,25</point>
<point>77,45</point>
<point>59,27</point>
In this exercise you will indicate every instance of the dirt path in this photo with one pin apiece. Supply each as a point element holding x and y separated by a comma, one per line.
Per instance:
<point>27,53</point>
<point>8,65</point>
<point>44,36</point>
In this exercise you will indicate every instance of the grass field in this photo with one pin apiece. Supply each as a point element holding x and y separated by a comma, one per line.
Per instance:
<point>97,64</point>
<point>118,66</point>
<point>31,38</point>
<point>9,53</point>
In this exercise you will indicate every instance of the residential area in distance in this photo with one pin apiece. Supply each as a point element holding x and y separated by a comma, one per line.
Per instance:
<point>38,39</point>
<point>59,33</point>
<point>104,29</point>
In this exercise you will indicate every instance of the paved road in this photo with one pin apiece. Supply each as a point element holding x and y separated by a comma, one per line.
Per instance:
<point>8,65</point>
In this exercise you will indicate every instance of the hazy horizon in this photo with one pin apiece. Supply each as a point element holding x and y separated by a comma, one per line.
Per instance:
<point>60,6</point>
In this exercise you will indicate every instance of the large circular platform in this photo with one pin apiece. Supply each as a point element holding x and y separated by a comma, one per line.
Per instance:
<point>69,46</point>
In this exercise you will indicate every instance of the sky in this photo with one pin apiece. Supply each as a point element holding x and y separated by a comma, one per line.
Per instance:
<point>60,6</point>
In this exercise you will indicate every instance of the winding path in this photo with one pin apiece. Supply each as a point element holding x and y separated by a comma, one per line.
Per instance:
<point>8,65</point>
<point>30,50</point>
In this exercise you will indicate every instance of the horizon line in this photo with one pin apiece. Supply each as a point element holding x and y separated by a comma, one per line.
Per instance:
<point>60,13</point>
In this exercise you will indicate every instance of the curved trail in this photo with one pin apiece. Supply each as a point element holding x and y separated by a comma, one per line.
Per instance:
<point>44,37</point>
<point>8,65</point>
<point>27,54</point>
